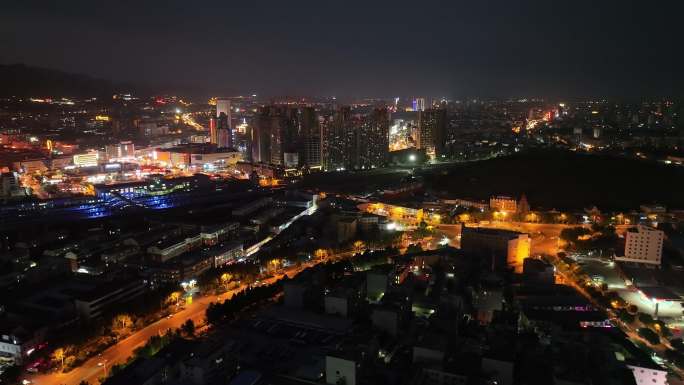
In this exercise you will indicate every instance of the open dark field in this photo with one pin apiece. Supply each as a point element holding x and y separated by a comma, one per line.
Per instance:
<point>353,182</point>
<point>564,180</point>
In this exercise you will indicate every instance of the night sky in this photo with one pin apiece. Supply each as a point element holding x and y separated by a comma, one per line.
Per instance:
<point>366,48</point>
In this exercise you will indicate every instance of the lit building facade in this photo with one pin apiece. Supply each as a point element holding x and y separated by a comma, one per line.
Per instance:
<point>311,141</point>
<point>643,244</point>
<point>432,126</point>
<point>224,135</point>
<point>223,107</point>
<point>503,203</point>
<point>276,132</point>
<point>120,150</point>
<point>213,133</point>
<point>228,254</point>
<point>355,141</point>
<point>507,249</point>
<point>90,159</point>
<point>419,104</point>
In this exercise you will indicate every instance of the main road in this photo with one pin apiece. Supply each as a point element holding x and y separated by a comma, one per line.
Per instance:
<point>94,368</point>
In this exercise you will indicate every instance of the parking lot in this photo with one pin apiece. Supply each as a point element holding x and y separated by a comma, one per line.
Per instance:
<point>601,271</point>
<point>666,310</point>
<point>606,272</point>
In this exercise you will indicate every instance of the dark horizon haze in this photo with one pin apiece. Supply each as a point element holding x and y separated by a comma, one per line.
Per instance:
<point>377,49</point>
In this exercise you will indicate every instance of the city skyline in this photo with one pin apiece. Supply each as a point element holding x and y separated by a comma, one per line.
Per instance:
<point>395,193</point>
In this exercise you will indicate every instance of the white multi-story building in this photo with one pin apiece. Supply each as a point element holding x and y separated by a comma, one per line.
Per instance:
<point>649,376</point>
<point>228,253</point>
<point>340,370</point>
<point>643,244</point>
<point>18,346</point>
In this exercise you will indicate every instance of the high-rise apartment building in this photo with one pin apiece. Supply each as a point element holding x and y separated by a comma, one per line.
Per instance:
<point>311,151</point>
<point>337,139</point>
<point>311,138</point>
<point>284,135</point>
<point>356,141</point>
<point>372,140</point>
<point>261,137</point>
<point>432,125</point>
<point>276,132</point>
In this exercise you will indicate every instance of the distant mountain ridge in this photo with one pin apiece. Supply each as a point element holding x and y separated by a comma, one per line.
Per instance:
<point>27,81</point>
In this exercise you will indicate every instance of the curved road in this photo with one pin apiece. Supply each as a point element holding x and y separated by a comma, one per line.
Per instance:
<point>90,371</point>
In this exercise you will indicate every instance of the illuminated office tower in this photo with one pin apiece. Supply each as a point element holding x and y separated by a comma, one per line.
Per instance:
<point>224,134</point>
<point>223,139</point>
<point>213,133</point>
<point>419,104</point>
<point>223,106</point>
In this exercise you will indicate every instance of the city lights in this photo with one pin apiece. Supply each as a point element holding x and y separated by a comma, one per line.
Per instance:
<point>456,213</point>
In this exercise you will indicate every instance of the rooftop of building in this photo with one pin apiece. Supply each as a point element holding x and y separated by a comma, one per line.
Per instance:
<point>247,377</point>
<point>492,232</point>
<point>502,197</point>
<point>21,326</point>
<point>169,241</point>
<point>660,293</point>
<point>642,229</point>
<point>536,264</point>
<point>219,225</point>
<point>200,148</point>
<point>383,269</point>
<point>555,291</point>
<point>305,319</point>
<point>189,258</point>
<point>432,340</point>
<point>96,291</point>
<point>142,370</point>
<point>347,220</point>
<point>151,179</point>
<point>643,277</point>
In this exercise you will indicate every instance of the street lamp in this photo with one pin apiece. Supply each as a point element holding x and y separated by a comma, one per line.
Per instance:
<point>104,366</point>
